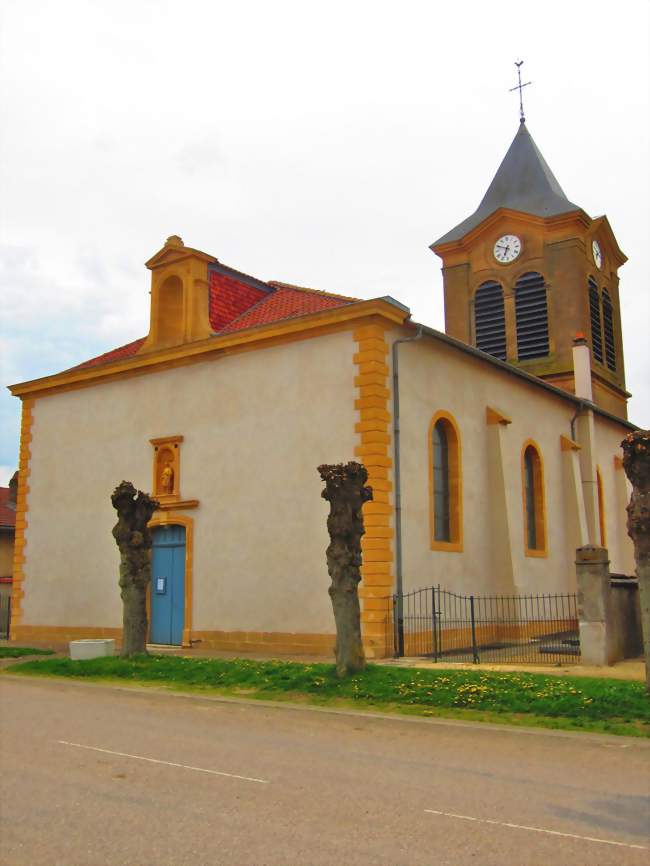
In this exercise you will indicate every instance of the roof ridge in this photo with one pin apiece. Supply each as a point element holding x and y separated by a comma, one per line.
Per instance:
<point>280,285</point>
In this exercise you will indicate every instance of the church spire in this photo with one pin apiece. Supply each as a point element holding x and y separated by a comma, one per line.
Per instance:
<point>523,182</point>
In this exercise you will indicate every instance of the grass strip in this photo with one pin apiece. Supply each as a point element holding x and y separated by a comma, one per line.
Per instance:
<point>14,652</point>
<point>586,703</point>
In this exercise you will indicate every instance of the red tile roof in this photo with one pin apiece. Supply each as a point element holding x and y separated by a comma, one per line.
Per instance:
<point>119,354</point>
<point>236,305</point>
<point>286,302</point>
<point>7,514</point>
<point>229,298</point>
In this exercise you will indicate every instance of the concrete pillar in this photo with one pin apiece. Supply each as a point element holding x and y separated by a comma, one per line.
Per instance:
<point>502,505</point>
<point>576,520</point>
<point>597,645</point>
<point>586,438</point>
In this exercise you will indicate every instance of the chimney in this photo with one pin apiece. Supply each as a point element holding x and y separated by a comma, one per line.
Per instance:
<point>582,367</point>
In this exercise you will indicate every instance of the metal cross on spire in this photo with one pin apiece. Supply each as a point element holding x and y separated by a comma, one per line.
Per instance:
<point>520,87</point>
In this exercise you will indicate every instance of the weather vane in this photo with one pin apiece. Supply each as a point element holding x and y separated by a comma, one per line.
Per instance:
<point>520,87</point>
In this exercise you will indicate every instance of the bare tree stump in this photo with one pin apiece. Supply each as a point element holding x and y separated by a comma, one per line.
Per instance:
<point>636,462</point>
<point>346,493</point>
<point>134,511</point>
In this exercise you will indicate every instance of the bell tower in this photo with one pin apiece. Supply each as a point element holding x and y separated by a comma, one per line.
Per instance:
<point>529,271</point>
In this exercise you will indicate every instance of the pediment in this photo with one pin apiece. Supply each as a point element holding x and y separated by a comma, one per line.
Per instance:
<point>176,251</point>
<point>602,230</point>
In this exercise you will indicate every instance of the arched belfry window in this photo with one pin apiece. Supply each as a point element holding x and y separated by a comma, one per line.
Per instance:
<point>445,483</point>
<point>531,311</point>
<point>608,327</point>
<point>534,506</point>
<point>489,319</point>
<point>594,315</point>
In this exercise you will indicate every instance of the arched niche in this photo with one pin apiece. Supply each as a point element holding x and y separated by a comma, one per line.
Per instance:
<point>169,325</point>
<point>167,468</point>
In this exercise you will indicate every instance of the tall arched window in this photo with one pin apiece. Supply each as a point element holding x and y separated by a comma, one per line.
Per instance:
<point>601,508</point>
<point>594,315</point>
<point>445,483</point>
<point>534,505</point>
<point>489,319</point>
<point>531,311</point>
<point>608,327</point>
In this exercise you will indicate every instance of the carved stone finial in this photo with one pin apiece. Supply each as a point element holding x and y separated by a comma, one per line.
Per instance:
<point>174,241</point>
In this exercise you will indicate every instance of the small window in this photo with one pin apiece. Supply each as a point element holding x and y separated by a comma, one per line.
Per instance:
<point>601,508</point>
<point>534,509</point>
<point>608,327</point>
<point>490,320</point>
<point>445,484</point>
<point>594,315</point>
<point>531,311</point>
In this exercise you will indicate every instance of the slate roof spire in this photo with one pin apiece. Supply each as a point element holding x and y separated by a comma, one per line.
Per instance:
<point>523,182</point>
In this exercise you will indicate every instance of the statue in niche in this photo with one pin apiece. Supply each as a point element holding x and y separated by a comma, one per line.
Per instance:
<point>167,479</point>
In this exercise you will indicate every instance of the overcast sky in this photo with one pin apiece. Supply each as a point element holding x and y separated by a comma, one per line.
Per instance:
<point>321,144</point>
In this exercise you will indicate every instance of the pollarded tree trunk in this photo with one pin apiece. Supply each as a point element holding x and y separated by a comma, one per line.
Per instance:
<point>134,511</point>
<point>346,492</point>
<point>636,462</point>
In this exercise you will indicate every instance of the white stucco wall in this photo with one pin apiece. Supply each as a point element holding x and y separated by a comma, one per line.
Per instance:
<point>435,376</point>
<point>256,425</point>
<point>616,495</point>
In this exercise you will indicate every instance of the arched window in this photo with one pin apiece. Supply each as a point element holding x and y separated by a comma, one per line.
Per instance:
<point>534,506</point>
<point>531,311</point>
<point>608,327</point>
<point>601,508</point>
<point>445,483</point>
<point>594,314</point>
<point>489,319</point>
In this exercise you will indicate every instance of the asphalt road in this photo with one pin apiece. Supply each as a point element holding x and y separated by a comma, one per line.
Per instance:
<point>94,776</point>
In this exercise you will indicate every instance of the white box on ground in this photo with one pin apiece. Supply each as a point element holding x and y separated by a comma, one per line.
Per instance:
<point>91,648</point>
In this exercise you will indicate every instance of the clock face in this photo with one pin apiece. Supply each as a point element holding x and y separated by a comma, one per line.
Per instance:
<point>507,248</point>
<point>598,256</point>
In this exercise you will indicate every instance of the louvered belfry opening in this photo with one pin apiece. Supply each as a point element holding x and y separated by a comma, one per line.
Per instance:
<point>490,320</point>
<point>531,310</point>
<point>608,323</point>
<point>594,313</point>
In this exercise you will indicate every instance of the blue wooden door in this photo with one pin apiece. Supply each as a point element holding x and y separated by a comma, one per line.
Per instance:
<point>168,585</point>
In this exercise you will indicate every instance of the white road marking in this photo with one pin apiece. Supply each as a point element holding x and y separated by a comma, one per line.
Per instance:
<point>537,830</point>
<point>166,763</point>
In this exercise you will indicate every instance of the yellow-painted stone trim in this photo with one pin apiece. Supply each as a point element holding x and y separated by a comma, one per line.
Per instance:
<point>540,501</point>
<point>266,641</point>
<point>567,444</point>
<point>173,519</point>
<point>494,416</point>
<point>20,542</point>
<point>302,328</point>
<point>374,434</point>
<point>618,462</point>
<point>178,504</point>
<point>233,641</point>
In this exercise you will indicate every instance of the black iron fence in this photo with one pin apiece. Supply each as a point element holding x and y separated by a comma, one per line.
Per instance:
<point>533,629</point>
<point>5,616</point>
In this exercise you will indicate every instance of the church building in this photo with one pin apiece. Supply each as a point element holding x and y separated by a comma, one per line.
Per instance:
<point>492,448</point>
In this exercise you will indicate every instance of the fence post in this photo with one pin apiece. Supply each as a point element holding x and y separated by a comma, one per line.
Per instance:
<point>395,638</point>
<point>474,647</point>
<point>594,606</point>
<point>434,648</point>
